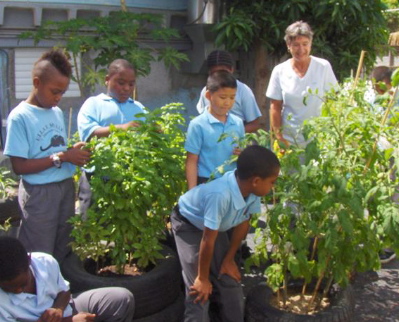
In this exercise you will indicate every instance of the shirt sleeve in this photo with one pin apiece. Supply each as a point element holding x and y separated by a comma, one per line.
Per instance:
<point>88,119</point>
<point>248,103</point>
<point>215,207</point>
<point>274,90</point>
<point>17,144</point>
<point>194,138</point>
<point>202,102</point>
<point>330,79</point>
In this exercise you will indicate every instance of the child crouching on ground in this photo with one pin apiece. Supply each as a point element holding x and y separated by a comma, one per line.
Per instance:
<point>200,222</point>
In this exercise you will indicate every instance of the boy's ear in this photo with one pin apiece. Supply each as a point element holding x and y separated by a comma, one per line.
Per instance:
<point>36,81</point>
<point>208,95</point>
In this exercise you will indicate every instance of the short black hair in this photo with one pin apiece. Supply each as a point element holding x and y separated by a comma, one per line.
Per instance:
<point>14,259</point>
<point>54,58</point>
<point>257,161</point>
<point>220,58</point>
<point>119,64</point>
<point>220,79</point>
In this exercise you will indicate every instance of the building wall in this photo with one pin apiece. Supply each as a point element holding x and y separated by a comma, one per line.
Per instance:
<point>162,86</point>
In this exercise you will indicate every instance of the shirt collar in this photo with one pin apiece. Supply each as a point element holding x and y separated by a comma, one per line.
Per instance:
<point>213,119</point>
<point>238,199</point>
<point>106,97</point>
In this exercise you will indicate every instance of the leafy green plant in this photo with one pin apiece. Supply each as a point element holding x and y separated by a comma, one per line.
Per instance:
<point>336,208</point>
<point>6,181</point>
<point>121,34</point>
<point>138,177</point>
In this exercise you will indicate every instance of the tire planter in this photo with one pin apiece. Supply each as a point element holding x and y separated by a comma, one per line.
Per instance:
<point>258,309</point>
<point>9,208</point>
<point>153,291</point>
<point>172,313</point>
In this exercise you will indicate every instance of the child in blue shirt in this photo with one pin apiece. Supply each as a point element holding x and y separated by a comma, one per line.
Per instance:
<point>99,112</point>
<point>37,146</point>
<point>200,222</point>
<point>204,150</point>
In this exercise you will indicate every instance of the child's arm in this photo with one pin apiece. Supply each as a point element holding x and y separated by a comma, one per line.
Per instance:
<point>202,286</point>
<point>105,130</point>
<point>56,312</point>
<point>75,155</point>
<point>191,169</point>
<point>229,266</point>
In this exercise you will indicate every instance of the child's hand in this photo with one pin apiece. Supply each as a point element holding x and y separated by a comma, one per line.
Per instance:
<point>76,155</point>
<point>230,268</point>
<point>128,125</point>
<point>237,151</point>
<point>83,317</point>
<point>202,289</point>
<point>51,315</point>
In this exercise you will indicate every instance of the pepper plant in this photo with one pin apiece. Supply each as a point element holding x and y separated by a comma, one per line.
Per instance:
<point>139,174</point>
<point>336,208</point>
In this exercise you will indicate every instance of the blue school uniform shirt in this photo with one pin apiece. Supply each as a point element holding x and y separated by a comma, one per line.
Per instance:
<point>34,133</point>
<point>218,205</point>
<point>202,138</point>
<point>29,307</point>
<point>245,106</point>
<point>103,110</point>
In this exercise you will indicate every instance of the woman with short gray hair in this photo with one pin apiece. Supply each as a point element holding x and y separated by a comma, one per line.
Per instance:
<point>290,82</point>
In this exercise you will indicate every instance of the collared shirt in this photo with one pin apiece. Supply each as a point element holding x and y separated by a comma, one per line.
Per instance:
<point>218,205</point>
<point>245,106</point>
<point>34,133</point>
<point>103,110</point>
<point>202,139</point>
<point>26,307</point>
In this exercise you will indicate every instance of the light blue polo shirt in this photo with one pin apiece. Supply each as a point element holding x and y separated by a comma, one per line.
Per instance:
<point>34,133</point>
<point>103,110</point>
<point>202,139</point>
<point>218,205</point>
<point>29,307</point>
<point>245,106</point>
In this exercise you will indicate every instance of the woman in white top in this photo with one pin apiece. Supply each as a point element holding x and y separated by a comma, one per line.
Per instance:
<point>290,82</point>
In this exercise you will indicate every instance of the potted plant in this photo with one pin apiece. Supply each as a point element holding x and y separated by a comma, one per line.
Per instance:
<point>335,210</point>
<point>9,208</point>
<point>138,177</point>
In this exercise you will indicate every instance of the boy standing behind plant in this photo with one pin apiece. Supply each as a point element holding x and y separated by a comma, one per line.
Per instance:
<point>200,222</point>
<point>37,146</point>
<point>204,150</point>
<point>99,112</point>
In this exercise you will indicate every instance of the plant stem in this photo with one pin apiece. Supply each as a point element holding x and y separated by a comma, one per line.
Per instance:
<point>311,258</point>
<point>316,289</point>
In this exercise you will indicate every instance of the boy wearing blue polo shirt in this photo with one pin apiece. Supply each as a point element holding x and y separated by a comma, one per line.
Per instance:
<point>200,222</point>
<point>204,151</point>
<point>37,146</point>
<point>99,112</point>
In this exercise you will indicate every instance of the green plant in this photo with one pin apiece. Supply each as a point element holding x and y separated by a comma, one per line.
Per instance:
<point>336,208</point>
<point>5,183</point>
<point>121,34</point>
<point>138,177</point>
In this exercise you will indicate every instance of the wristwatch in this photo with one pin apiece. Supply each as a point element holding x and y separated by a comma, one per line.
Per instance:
<point>56,160</point>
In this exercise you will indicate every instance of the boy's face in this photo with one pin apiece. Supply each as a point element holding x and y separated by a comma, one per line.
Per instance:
<point>262,186</point>
<point>48,92</point>
<point>221,101</point>
<point>121,85</point>
<point>19,284</point>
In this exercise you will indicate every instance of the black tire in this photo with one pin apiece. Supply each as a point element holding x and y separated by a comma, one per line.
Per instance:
<point>153,291</point>
<point>9,208</point>
<point>258,309</point>
<point>172,313</point>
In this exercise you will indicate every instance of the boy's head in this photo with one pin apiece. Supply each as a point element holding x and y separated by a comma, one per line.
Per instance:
<point>14,265</point>
<point>259,167</point>
<point>220,60</point>
<point>382,74</point>
<point>221,88</point>
<point>51,75</point>
<point>120,80</point>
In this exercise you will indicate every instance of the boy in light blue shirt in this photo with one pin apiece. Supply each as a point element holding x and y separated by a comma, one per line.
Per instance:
<point>205,152</point>
<point>99,112</point>
<point>37,146</point>
<point>200,223</point>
